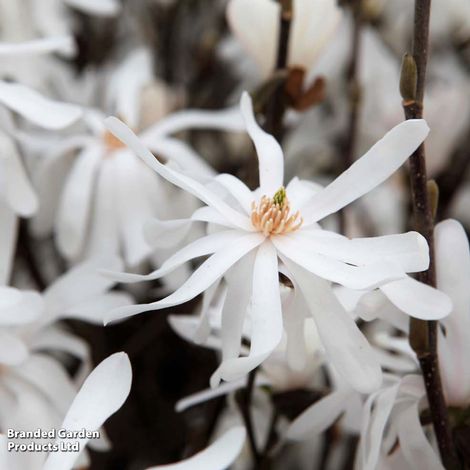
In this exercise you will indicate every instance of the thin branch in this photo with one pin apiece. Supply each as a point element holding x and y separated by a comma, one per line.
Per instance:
<point>354,89</point>
<point>423,334</point>
<point>244,399</point>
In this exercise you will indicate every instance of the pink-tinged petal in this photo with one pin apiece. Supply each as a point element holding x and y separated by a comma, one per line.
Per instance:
<point>270,156</point>
<point>13,351</point>
<point>265,315</point>
<point>313,25</point>
<point>319,416</point>
<point>122,132</point>
<point>202,247</point>
<point>73,213</point>
<point>345,345</point>
<point>96,7</point>
<point>409,250</point>
<point>204,276</point>
<point>299,250</point>
<point>36,108</point>
<point>62,44</point>
<point>103,393</point>
<point>226,119</point>
<point>374,167</point>
<point>256,25</point>
<point>218,456</point>
<point>417,300</point>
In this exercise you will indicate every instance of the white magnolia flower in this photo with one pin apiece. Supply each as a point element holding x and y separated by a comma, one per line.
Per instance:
<point>101,395</point>
<point>35,389</point>
<point>256,23</point>
<point>257,228</point>
<point>17,196</point>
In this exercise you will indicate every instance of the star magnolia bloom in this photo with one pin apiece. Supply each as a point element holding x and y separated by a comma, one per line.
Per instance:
<point>101,395</point>
<point>17,196</point>
<point>256,25</point>
<point>254,236</point>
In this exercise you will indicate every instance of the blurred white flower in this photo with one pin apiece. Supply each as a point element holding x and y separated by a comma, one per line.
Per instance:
<point>260,226</point>
<point>256,23</point>
<point>101,395</point>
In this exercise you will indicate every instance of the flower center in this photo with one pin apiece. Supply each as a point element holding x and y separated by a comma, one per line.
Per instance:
<point>112,142</point>
<point>272,215</point>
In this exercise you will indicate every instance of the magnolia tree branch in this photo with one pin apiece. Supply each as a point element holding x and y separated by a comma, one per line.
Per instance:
<point>354,91</point>
<point>423,334</point>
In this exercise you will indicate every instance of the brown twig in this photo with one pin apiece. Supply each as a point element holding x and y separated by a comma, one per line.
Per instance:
<point>354,90</point>
<point>423,334</point>
<point>244,399</point>
<point>276,108</point>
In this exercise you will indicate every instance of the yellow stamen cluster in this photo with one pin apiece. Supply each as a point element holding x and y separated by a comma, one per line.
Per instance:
<point>272,215</point>
<point>112,142</point>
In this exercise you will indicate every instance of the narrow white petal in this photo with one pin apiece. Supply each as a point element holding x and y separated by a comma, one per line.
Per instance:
<point>204,276</point>
<point>319,416</point>
<point>61,44</point>
<point>265,315</point>
<point>416,449</point>
<point>122,132</point>
<point>374,167</point>
<point>96,7</point>
<point>102,394</point>
<point>36,108</point>
<point>227,119</point>
<point>13,351</point>
<point>237,189</point>
<point>299,250</point>
<point>73,213</point>
<point>80,284</point>
<point>8,233</point>
<point>270,156</point>
<point>344,343</point>
<point>218,456</point>
<point>417,299</point>
<point>409,250</point>
<point>202,247</point>
<point>166,233</point>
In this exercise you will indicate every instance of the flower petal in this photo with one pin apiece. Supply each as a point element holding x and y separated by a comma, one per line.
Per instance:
<point>96,7</point>
<point>298,249</point>
<point>72,217</point>
<point>345,345</point>
<point>417,299</point>
<point>270,156</point>
<point>102,394</point>
<point>265,316</point>
<point>204,276</point>
<point>61,44</point>
<point>374,167</point>
<point>122,132</point>
<point>37,109</point>
<point>218,456</point>
<point>319,416</point>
